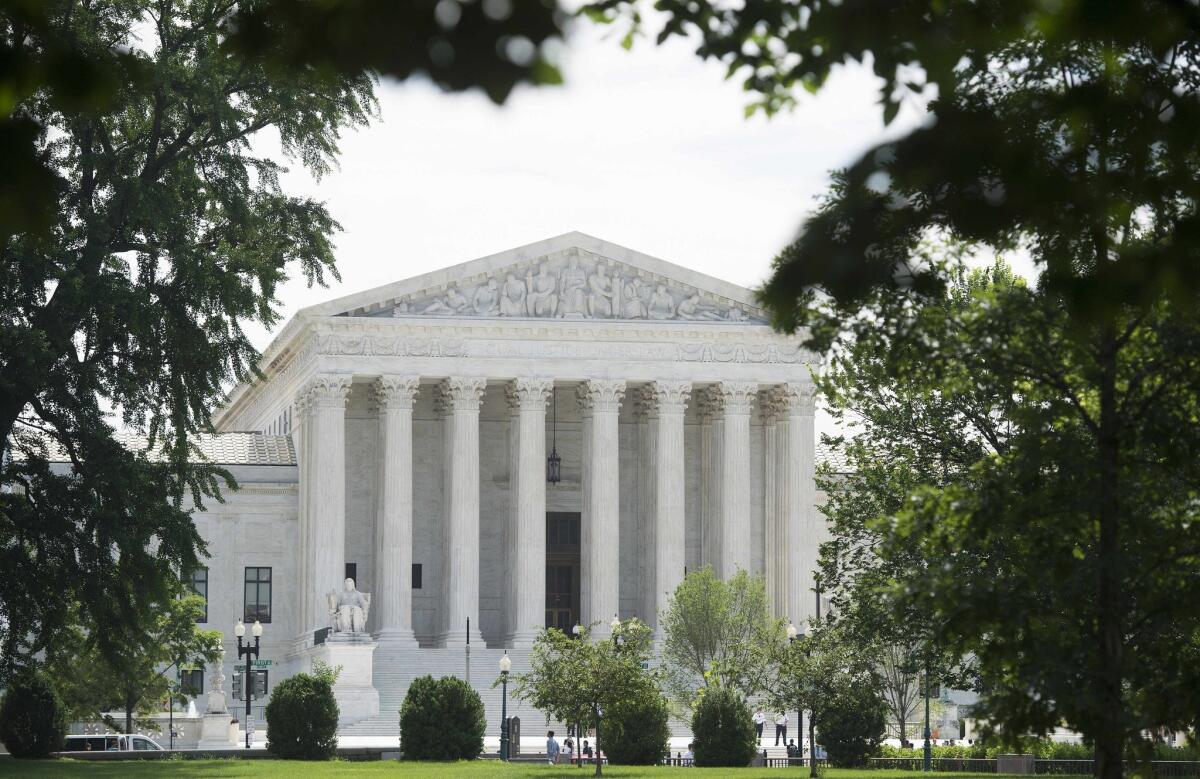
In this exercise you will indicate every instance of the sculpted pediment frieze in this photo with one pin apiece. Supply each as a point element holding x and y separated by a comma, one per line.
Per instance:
<point>574,284</point>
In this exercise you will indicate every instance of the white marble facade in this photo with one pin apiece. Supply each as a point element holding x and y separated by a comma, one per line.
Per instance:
<point>420,418</point>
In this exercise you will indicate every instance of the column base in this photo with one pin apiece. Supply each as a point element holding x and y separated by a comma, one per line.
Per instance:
<point>354,689</point>
<point>521,640</point>
<point>396,638</point>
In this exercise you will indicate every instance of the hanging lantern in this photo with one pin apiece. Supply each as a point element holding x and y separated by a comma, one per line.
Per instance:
<point>554,462</point>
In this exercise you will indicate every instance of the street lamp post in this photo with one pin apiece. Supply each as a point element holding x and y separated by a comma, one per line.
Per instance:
<point>928,746</point>
<point>812,721</point>
<point>505,667</point>
<point>248,652</point>
<point>792,635</point>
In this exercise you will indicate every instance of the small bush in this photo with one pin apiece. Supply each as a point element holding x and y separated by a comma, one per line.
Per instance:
<point>32,720</point>
<point>635,731</point>
<point>724,730</point>
<point>441,719</point>
<point>302,717</point>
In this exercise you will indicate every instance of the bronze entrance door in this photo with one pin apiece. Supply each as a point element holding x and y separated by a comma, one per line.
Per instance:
<point>562,570</point>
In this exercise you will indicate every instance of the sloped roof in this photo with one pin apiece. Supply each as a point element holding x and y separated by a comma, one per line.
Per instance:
<point>834,456</point>
<point>217,448</point>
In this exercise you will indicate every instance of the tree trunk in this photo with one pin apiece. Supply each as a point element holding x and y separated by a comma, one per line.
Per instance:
<point>598,760</point>
<point>130,703</point>
<point>1110,734</point>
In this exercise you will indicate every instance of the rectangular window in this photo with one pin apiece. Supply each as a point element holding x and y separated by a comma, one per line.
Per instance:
<point>199,585</point>
<point>416,577</point>
<point>258,595</point>
<point>191,682</point>
<point>352,572</point>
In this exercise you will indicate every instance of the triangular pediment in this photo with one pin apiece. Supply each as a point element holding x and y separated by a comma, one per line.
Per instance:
<point>571,276</point>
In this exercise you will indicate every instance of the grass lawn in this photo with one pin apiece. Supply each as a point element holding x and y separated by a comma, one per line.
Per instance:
<point>267,769</point>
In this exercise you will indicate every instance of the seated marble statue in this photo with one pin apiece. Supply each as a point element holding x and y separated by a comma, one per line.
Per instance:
<point>349,609</point>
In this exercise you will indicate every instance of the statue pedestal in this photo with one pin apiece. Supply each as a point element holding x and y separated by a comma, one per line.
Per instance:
<point>214,732</point>
<point>354,689</point>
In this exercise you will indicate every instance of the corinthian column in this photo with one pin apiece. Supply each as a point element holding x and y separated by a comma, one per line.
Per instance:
<point>525,606</point>
<point>736,399</point>
<point>600,575</point>
<point>393,524</point>
<point>325,440</point>
<point>796,405</point>
<point>670,401</point>
<point>771,539</point>
<point>459,404</point>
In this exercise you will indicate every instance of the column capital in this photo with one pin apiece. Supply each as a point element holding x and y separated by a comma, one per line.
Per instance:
<point>326,390</point>
<point>668,397</point>
<point>728,397</point>
<point>768,407</point>
<point>796,398</point>
<point>601,394</point>
<point>460,394</point>
<point>395,392</point>
<point>528,394</point>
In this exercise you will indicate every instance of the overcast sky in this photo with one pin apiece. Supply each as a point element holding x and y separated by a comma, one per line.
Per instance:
<point>646,148</point>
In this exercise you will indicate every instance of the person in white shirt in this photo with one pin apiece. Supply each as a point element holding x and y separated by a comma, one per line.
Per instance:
<point>759,720</point>
<point>781,723</point>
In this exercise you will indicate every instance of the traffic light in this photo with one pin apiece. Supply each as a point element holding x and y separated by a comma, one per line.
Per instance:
<point>260,684</point>
<point>237,687</point>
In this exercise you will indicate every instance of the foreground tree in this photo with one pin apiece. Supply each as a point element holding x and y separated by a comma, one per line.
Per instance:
<point>140,234</point>
<point>1071,130</point>
<point>717,632</point>
<point>139,678</point>
<point>579,680</point>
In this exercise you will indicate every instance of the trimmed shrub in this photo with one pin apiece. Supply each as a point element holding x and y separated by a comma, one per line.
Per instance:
<point>441,719</point>
<point>33,722</point>
<point>850,725</point>
<point>723,730</point>
<point>302,717</point>
<point>635,731</point>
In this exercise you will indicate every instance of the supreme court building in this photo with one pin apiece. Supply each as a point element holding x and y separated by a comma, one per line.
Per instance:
<point>546,436</point>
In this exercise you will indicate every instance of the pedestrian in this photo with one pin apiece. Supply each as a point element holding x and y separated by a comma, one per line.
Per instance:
<point>586,752</point>
<point>792,751</point>
<point>759,720</point>
<point>551,748</point>
<point>781,723</point>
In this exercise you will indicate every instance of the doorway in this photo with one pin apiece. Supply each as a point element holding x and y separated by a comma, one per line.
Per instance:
<point>562,570</point>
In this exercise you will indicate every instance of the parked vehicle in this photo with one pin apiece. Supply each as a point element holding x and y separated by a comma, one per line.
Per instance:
<point>112,742</point>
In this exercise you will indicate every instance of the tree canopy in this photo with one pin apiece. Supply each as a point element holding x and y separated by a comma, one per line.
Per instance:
<point>578,680</point>
<point>1068,132</point>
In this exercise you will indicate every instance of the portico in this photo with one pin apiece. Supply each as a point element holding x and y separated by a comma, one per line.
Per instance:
<point>421,417</point>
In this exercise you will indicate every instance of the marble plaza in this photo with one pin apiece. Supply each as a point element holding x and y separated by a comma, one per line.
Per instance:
<point>400,438</point>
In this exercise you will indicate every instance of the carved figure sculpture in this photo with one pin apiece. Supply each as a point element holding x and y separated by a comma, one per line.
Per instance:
<point>600,294</point>
<point>632,303</point>
<point>735,314</point>
<point>662,305</point>
<point>455,302</point>
<point>541,300</point>
<point>349,609</point>
<point>512,297</point>
<point>486,298</point>
<point>692,308</point>
<point>572,300</point>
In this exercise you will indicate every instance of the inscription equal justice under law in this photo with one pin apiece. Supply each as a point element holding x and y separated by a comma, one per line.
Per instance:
<point>574,288</point>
